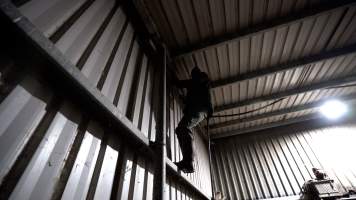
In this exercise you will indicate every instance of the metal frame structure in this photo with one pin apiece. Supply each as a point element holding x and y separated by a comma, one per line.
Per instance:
<point>298,53</point>
<point>258,29</point>
<point>59,69</point>
<point>184,55</point>
<point>160,144</point>
<point>295,91</point>
<point>287,66</point>
<point>72,80</point>
<point>267,126</point>
<point>279,112</point>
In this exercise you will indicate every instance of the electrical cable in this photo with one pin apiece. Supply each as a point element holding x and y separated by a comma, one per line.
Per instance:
<point>209,139</point>
<point>250,111</point>
<point>341,86</point>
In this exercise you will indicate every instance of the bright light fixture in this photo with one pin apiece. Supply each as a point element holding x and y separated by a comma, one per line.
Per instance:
<point>333,109</point>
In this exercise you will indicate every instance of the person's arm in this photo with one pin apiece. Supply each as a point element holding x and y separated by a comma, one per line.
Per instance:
<point>182,83</point>
<point>210,106</point>
<point>179,83</point>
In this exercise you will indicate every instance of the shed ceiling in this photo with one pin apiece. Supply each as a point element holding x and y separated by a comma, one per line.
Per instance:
<point>256,52</point>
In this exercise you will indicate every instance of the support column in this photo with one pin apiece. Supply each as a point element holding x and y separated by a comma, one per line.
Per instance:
<point>160,143</point>
<point>210,161</point>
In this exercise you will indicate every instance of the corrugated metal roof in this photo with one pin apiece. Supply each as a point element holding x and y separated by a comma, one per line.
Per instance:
<point>187,22</point>
<point>291,101</point>
<point>185,25</point>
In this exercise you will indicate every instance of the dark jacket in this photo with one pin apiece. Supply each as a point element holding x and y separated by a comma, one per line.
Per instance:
<point>198,97</point>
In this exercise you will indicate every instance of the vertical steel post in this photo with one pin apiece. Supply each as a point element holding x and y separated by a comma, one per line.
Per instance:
<point>160,144</point>
<point>210,160</point>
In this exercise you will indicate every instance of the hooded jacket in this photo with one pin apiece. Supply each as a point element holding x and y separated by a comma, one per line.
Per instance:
<point>198,97</point>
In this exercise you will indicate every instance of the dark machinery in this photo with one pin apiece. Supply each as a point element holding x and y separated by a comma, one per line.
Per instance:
<point>323,188</point>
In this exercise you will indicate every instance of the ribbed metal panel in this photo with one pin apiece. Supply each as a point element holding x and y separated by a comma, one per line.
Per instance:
<point>306,75</point>
<point>21,113</point>
<point>73,159</point>
<point>53,152</point>
<point>190,22</point>
<point>288,102</point>
<point>50,148</point>
<point>102,43</point>
<point>277,162</point>
<point>184,24</point>
<point>174,191</point>
<point>235,59</point>
<point>201,178</point>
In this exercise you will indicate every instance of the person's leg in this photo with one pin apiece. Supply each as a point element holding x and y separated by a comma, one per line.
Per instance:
<point>185,139</point>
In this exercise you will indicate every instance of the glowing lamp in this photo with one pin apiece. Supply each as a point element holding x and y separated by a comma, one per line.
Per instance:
<point>333,109</point>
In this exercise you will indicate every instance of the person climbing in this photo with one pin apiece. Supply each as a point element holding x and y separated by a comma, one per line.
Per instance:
<point>197,107</point>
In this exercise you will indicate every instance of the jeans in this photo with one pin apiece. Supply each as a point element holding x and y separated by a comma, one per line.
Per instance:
<point>185,134</point>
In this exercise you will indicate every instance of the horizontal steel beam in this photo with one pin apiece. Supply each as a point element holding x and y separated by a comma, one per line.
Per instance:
<point>287,66</point>
<point>315,120</point>
<point>265,126</point>
<point>279,112</point>
<point>295,91</point>
<point>174,172</point>
<point>264,27</point>
<point>64,71</point>
<point>26,36</point>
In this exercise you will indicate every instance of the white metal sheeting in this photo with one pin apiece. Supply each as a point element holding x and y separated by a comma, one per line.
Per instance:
<point>79,180</point>
<point>96,163</point>
<point>39,177</point>
<point>50,149</point>
<point>276,163</point>
<point>174,191</point>
<point>49,16</point>
<point>20,114</point>
<point>188,27</point>
<point>291,101</point>
<point>190,22</point>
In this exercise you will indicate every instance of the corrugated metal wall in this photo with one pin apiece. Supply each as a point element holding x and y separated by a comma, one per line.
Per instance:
<point>277,162</point>
<point>174,190</point>
<point>49,148</point>
<point>201,161</point>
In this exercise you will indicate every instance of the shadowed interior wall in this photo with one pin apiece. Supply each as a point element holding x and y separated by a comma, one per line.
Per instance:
<point>50,148</point>
<point>276,162</point>
<point>201,177</point>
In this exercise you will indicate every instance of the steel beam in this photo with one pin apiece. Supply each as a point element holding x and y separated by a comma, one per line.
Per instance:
<point>28,41</point>
<point>265,126</point>
<point>314,120</point>
<point>279,112</point>
<point>294,91</point>
<point>140,25</point>
<point>174,172</point>
<point>287,66</point>
<point>26,37</point>
<point>264,27</point>
<point>160,143</point>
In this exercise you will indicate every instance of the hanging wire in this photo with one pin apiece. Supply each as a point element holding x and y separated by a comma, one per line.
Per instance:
<point>274,102</point>
<point>342,86</point>
<point>250,111</point>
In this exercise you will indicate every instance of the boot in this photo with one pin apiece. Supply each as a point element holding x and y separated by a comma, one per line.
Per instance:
<point>185,139</point>
<point>186,167</point>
